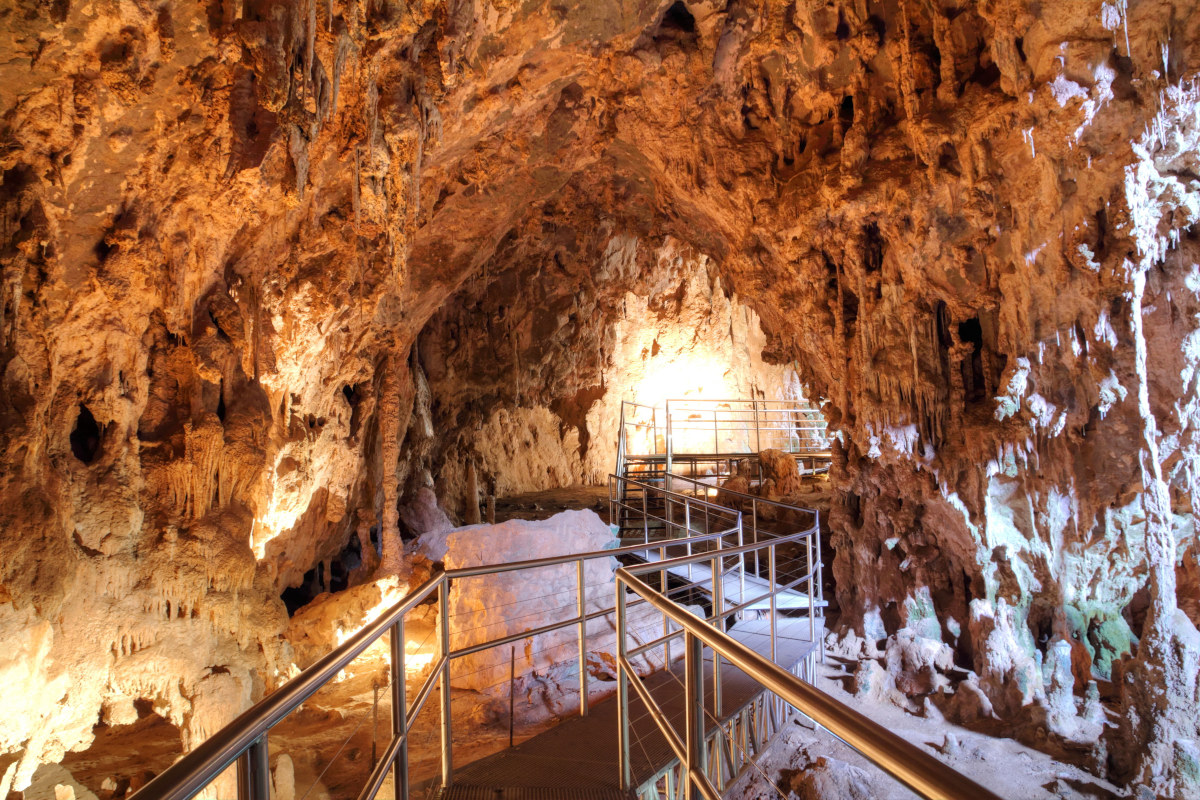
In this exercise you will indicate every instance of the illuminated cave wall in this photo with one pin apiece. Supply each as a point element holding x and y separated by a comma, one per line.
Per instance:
<point>970,225</point>
<point>527,366</point>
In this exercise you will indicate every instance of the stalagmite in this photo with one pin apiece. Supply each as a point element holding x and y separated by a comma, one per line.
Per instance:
<point>471,504</point>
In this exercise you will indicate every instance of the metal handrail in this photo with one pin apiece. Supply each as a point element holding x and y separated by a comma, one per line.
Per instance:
<point>244,739</point>
<point>748,418</point>
<point>208,760</point>
<point>743,495</point>
<point>755,527</point>
<point>912,766</point>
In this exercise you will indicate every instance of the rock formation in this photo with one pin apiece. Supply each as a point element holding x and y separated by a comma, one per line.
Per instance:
<point>269,268</point>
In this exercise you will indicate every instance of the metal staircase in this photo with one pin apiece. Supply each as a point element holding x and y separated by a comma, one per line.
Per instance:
<point>711,439</point>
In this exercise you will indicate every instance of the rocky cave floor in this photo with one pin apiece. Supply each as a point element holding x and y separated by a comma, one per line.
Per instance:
<point>809,763</point>
<point>802,762</point>
<point>545,504</point>
<point>350,719</point>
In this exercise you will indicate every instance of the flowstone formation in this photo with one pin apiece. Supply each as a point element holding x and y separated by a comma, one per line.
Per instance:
<point>970,227</point>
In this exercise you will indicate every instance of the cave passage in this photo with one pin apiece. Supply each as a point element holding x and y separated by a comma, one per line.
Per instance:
<point>304,303</point>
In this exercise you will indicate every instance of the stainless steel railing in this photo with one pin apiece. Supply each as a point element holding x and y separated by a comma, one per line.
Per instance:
<point>761,518</point>
<point>245,740</point>
<point>715,432</point>
<point>743,426</point>
<point>907,763</point>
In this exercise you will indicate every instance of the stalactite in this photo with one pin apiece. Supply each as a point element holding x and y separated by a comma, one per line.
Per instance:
<point>1159,682</point>
<point>904,70</point>
<point>390,432</point>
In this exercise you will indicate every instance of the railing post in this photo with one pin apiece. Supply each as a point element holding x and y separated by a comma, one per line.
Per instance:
<point>253,772</point>
<point>663,582</point>
<point>583,678</point>
<point>624,767</point>
<point>399,711</point>
<point>611,506</point>
<point>688,545</point>
<point>718,564</point>
<point>687,520</point>
<point>812,597</point>
<point>694,715</point>
<point>757,430</point>
<point>667,483</point>
<point>774,590</point>
<point>447,733</point>
<point>645,518</point>
<point>741,564</point>
<point>754,533</point>
<point>821,566</point>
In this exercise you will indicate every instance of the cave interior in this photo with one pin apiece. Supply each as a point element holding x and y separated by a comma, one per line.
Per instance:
<point>294,292</point>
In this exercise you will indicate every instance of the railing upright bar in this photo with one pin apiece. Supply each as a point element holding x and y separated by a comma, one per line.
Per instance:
<point>741,563</point>
<point>718,595</point>
<point>689,565</point>
<point>774,592</point>
<point>254,772</point>
<point>583,672</point>
<point>821,568</point>
<point>812,598</point>
<point>447,734</point>
<point>754,533</point>
<point>645,518</point>
<point>667,481</point>
<point>612,509</point>
<point>626,768</point>
<point>694,715</point>
<point>757,430</point>
<point>663,581</point>
<point>399,711</point>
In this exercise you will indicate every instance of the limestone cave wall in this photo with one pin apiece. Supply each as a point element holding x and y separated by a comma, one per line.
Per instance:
<point>527,368</point>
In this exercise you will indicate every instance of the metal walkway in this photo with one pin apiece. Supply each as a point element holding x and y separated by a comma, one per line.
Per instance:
<point>579,758</point>
<point>711,437</point>
<point>682,731</point>
<point>749,590</point>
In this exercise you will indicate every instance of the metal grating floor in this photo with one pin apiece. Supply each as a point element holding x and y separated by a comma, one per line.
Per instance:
<point>459,792</point>
<point>578,758</point>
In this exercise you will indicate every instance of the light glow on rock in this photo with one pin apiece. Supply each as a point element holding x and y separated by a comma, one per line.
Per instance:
<point>275,521</point>
<point>695,377</point>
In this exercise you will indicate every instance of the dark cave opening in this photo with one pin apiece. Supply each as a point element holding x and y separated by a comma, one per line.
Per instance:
<point>678,18</point>
<point>974,383</point>
<point>85,437</point>
<point>331,576</point>
<point>846,111</point>
<point>842,31</point>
